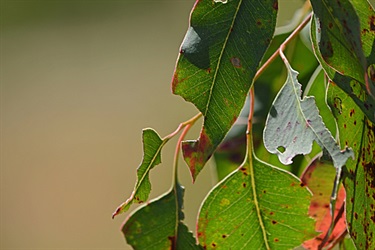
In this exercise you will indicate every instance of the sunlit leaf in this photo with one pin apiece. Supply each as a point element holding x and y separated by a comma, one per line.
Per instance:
<point>158,225</point>
<point>152,145</point>
<point>319,177</point>
<point>338,37</point>
<point>357,132</point>
<point>294,123</point>
<point>269,83</point>
<point>218,59</point>
<point>347,244</point>
<point>256,207</point>
<point>355,88</point>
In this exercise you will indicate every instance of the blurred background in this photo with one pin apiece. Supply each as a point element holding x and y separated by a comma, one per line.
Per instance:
<point>79,81</point>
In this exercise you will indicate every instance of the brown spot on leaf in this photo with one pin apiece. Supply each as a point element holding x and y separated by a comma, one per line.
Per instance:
<point>172,239</point>
<point>370,174</point>
<point>236,62</point>
<point>275,5</point>
<point>372,23</point>
<point>276,240</point>
<point>274,222</point>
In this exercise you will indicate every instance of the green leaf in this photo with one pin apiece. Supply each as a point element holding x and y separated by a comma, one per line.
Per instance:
<point>357,132</point>
<point>347,244</point>
<point>158,225</point>
<point>256,207</point>
<point>354,88</point>
<point>218,59</point>
<point>152,145</point>
<point>338,37</point>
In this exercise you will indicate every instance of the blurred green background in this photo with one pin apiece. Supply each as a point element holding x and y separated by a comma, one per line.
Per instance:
<point>79,80</point>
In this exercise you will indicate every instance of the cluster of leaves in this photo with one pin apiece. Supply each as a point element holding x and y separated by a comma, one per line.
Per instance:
<point>328,61</point>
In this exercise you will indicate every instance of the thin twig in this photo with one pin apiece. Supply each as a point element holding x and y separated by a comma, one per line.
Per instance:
<point>282,46</point>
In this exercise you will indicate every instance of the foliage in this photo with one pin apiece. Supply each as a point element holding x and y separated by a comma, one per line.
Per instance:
<point>314,81</point>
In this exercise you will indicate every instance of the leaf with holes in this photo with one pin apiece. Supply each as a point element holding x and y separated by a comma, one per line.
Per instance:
<point>258,206</point>
<point>158,225</point>
<point>352,77</point>
<point>152,145</point>
<point>294,123</point>
<point>218,60</point>
<point>357,132</point>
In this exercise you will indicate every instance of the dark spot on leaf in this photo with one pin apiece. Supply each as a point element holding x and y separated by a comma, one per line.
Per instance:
<point>372,23</point>
<point>330,25</point>
<point>302,184</point>
<point>370,174</point>
<point>292,184</point>
<point>259,22</point>
<point>213,244</point>
<point>344,125</point>
<point>308,123</point>
<point>244,170</point>
<point>208,70</point>
<point>271,213</point>
<point>326,205</point>
<point>275,5</point>
<point>223,236</point>
<point>236,62</point>
<point>352,111</point>
<point>355,123</point>
<point>320,194</point>
<point>264,191</point>
<point>355,215</point>
<point>328,50</point>
<point>276,240</point>
<point>244,184</point>
<point>172,239</point>
<point>274,222</point>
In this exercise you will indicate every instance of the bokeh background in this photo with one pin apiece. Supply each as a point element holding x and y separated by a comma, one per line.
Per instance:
<point>79,81</point>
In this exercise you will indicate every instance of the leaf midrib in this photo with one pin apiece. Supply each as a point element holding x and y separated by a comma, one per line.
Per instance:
<point>221,56</point>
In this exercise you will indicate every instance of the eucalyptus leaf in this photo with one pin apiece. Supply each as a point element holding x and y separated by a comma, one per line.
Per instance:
<point>357,132</point>
<point>152,145</point>
<point>294,123</point>
<point>258,206</point>
<point>218,59</point>
<point>158,225</point>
